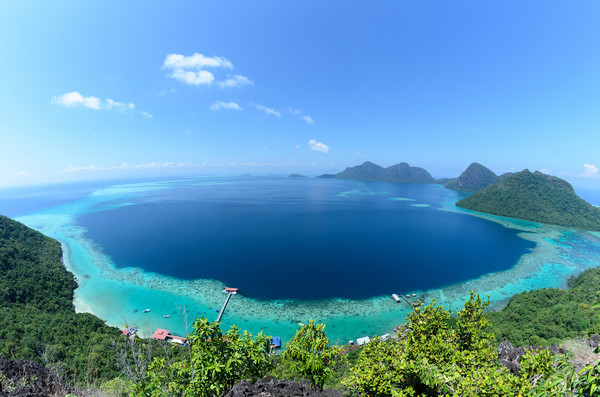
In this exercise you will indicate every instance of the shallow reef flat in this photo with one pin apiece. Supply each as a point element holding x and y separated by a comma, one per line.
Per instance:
<point>120,295</point>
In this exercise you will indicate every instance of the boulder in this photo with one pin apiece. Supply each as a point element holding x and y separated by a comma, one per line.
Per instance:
<point>593,340</point>
<point>271,387</point>
<point>510,356</point>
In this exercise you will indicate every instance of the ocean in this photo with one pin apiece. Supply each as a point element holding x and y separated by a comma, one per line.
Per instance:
<point>297,248</point>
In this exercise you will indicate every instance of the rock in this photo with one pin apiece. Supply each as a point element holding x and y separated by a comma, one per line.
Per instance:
<point>510,356</point>
<point>271,387</point>
<point>26,378</point>
<point>593,340</point>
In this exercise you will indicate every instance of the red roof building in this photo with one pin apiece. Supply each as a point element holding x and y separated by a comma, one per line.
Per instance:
<point>161,334</point>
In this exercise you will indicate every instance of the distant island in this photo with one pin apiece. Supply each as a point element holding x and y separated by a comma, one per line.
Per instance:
<point>399,173</point>
<point>535,197</point>
<point>475,178</point>
<point>524,195</point>
<point>296,176</point>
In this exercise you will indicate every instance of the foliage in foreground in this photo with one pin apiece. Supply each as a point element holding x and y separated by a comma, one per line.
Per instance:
<point>311,354</point>
<point>434,358</point>
<point>216,361</point>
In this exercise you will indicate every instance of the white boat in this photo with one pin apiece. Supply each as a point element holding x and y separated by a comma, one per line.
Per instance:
<point>146,310</point>
<point>166,316</point>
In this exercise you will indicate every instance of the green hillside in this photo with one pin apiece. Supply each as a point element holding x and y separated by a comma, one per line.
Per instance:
<point>535,197</point>
<point>475,178</point>
<point>398,173</point>
<point>36,309</point>
<point>549,315</point>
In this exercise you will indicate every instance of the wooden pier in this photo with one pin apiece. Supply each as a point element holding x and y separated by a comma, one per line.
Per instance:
<point>397,297</point>
<point>229,292</point>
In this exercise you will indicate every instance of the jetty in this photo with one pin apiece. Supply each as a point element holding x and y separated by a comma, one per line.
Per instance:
<point>229,291</point>
<point>399,298</point>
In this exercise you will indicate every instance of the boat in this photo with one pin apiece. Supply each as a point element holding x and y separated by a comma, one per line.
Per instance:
<point>146,310</point>
<point>166,316</point>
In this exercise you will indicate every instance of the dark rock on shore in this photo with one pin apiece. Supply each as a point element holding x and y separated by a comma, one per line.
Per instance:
<point>26,378</point>
<point>510,356</point>
<point>271,387</point>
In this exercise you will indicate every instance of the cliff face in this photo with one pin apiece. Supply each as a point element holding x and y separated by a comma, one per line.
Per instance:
<point>535,197</point>
<point>475,178</point>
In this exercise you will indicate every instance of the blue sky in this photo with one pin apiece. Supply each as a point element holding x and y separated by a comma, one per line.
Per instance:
<point>117,89</point>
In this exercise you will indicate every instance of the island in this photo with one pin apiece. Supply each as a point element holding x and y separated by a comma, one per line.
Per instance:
<point>475,178</point>
<point>535,197</point>
<point>398,173</point>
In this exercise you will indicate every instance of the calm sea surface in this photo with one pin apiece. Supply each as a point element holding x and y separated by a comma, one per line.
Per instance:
<point>303,238</point>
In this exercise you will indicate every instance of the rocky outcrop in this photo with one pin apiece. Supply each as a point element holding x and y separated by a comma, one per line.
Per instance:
<point>26,378</point>
<point>510,356</point>
<point>593,340</point>
<point>271,387</point>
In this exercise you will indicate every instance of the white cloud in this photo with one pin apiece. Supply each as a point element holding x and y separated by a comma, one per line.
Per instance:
<point>193,78</point>
<point>590,171</point>
<point>357,155</point>
<point>297,147</point>
<point>123,166</point>
<point>154,164</point>
<point>308,119</point>
<point>299,113</point>
<point>236,80</point>
<point>75,99</point>
<point>268,110</point>
<point>292,110</point>
<point>196,61</point>
<point>192,164</point>
<point>21,173</point>
<point>225,105</point>
<point>318,146</point>
<point>146,115</point>
<point>192,70</point>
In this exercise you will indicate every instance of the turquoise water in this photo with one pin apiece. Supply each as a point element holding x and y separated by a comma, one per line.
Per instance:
<point>119,294</point>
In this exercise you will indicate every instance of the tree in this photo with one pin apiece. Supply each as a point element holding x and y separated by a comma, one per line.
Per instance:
<point>433,357</point>
<point>216,362</point>
<point>311,354</point>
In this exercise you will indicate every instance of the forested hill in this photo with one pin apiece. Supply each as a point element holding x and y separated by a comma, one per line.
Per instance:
<point>535,197</point>
<point>36,309</point>
<point>398,173</point>
<point>475,178</point>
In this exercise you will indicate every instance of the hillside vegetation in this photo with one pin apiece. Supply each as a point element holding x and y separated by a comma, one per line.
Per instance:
<point>535,197</point>
<point>475,178</point>
<point>36,309</point>
<point>398,173</point>
<point>550,315</point>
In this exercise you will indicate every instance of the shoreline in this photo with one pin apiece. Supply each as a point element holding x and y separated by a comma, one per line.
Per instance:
<point>119,295</point>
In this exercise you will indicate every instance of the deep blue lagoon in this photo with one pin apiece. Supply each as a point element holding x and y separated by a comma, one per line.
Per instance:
<point>298,249</point>
<point>298,238</point>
